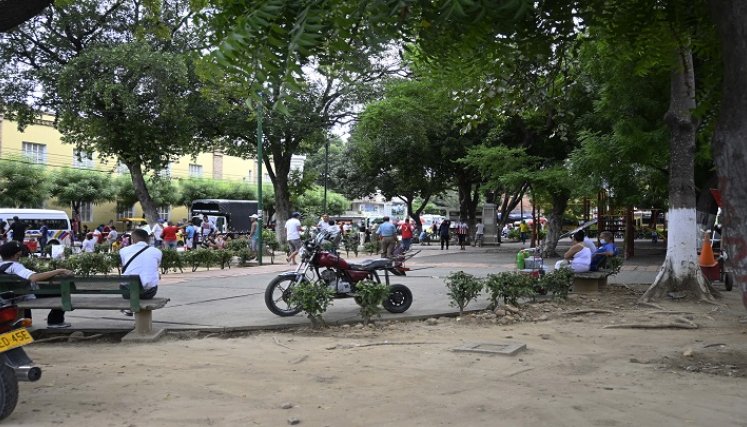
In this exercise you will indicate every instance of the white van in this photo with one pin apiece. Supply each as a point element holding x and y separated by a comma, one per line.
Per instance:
<point>58,224</point>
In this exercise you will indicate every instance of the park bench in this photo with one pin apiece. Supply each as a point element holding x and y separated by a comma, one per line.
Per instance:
<point>92,293</point>
<point>594,281</point>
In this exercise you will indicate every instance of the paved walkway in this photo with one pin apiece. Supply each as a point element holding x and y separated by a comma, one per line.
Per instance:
<point>233,299</point>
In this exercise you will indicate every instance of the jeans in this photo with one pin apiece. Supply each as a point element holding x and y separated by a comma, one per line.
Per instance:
<point>145,294</point>
<point>406,244</point>
<point>445,240</point>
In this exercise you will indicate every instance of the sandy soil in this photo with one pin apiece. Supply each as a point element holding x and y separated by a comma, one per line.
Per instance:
<point>574,372</point>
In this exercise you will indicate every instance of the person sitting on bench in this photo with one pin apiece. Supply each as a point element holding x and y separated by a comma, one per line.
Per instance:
<point>11,252</point>
<point>606,249</point>
<point>578,257</point>
<point>144,260</point>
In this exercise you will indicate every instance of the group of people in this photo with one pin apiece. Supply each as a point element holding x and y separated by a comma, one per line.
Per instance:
<point>584,255</point>
<point>444,232</point>
<point>16,231</point>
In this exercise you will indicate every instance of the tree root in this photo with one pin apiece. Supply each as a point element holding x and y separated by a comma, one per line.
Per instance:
<point>650,305</point>
<point>590,310</point>
<point>679,323</point>
<point>671,312</point>
<point>278,343</point>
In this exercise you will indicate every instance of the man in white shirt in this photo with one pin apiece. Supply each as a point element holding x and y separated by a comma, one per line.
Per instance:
<point>89,245</point>
<point>323,223</point>
<point>157,231</point>
<point>11,253</point>
<point>293,236</point>
<point>479,233</point>
<point>143,260</point>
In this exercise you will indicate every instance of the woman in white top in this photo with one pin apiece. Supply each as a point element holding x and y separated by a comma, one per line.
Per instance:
<point>578,257</point>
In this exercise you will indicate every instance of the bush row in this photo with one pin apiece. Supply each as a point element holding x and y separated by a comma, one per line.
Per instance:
<point>510,287</point>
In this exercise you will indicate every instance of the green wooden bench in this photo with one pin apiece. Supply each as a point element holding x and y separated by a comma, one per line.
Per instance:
<point>92,293</point>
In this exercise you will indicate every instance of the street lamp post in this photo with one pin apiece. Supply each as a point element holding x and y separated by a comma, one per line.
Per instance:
<point>260,208</point>
<point>326,175</point>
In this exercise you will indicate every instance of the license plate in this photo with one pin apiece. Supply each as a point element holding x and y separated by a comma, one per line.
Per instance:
<point>15,338</point>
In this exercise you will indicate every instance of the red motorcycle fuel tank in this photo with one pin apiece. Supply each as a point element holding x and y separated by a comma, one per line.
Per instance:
<point>326,259</point>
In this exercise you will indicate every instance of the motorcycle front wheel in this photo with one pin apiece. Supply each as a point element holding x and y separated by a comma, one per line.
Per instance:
<point>277,296</point>
<point>8,391</point>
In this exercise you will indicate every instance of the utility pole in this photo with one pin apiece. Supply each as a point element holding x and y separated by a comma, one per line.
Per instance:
<point>260,220</point>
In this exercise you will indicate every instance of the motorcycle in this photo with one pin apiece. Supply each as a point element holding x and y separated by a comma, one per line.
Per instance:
<point>16,365</point>
<point>341,276</point>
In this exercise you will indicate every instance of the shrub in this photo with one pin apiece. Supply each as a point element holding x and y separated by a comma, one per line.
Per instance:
<point>88,264</point>
<point>558,283</point>
<point>244,255</point>
<point>270,239</point>
<point>201,257</point>
<point>370,296</point>
<point>463,288</point>
<point>509,287</point>
<point>614,264</point>
<point>224,257</point>
<point>313,299</point>
<point>514,234</point>
<point>171,260</point>
<point>236,245</point>
<point>351,241</point>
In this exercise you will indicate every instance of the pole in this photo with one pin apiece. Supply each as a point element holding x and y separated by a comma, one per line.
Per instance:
<point>260,220</point>
<point>326,174</point>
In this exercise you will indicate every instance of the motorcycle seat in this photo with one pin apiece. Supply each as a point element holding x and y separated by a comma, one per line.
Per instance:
<point>372,264</point>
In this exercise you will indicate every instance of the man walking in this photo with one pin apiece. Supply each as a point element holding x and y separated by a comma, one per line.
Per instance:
<point>406,230</point>
<point>443,232</point>
<point>479,233</point>
<point>293,236</point>
<point>388,236</point>
<point>18,229</point>
<point>462,230</point>
<point>143,260</point>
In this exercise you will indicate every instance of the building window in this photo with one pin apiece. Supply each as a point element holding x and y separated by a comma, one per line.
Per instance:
<point>164,212</point>
<point>82,159</point>
<point>37,153</point>
<point>86,212</point>
<point>195,171</point>
<point>125,211</point>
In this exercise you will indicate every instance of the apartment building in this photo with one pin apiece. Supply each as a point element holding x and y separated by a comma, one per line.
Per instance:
<point>41,143</point>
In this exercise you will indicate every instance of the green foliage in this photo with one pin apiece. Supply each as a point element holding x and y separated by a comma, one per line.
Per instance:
<point>558,282</point>
<point>73,186</point>
<point>237,244</point>
<point>462,288</point>
<point>351,242</point>
<point>224,257</point>
<point>194,189</point>
<point>370,296</point>
<point>509,287</point>
<point>313,299</point>
<point>35,264</point>
<point>311,201</point>
<point>22,183</point>
<point>201,257</point>
<point>614,264</point>
<point>88,264</point>
<point>269,238</point>
<point>244,255</point>
<point>171,260</point>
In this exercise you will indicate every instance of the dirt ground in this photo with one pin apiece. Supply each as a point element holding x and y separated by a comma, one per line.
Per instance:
<point>574,372</point>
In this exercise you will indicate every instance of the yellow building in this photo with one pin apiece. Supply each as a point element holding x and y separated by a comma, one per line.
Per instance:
<point>41,143</point>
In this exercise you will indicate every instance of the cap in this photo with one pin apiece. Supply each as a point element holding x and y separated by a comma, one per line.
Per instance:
<point>9,249</point>
<point>255,216</point>
<point>295,214</point>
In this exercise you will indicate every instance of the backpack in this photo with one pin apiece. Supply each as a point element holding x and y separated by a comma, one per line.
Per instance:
<point>5,267</point>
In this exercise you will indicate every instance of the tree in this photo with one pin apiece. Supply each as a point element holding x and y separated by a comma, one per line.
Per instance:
<point>74,187</point>
<point>193,189</point>
<point>310,202</point>
<point>118,73</point>
<point>729,139</point>
<point>399,147</point>
<point>22,183</point>
<point>162,191</point>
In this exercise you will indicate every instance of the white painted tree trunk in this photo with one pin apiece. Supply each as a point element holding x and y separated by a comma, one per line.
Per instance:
<point>680,271</point>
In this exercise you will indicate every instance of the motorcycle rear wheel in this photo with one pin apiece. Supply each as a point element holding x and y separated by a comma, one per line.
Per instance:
<point>399,299</point>
<point>8,391</point>
<point>277,296</point>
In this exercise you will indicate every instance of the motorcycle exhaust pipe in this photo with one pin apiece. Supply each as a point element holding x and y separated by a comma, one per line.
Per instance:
<point>28,373</point>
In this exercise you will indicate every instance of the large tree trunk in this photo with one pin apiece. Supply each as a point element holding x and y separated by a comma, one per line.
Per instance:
<point>468,199</point>
<point>730,139</point>
<point>278,168</point>
<point>141,190</point>
<point>681,271</point>
<point>555,223</point>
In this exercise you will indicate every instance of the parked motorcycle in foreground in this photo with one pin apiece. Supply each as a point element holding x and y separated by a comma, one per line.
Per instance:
<point>16,366</point>
<point>318,264</point>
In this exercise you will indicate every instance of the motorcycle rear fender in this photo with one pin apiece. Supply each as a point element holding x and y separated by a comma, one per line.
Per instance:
<point>16,357</point>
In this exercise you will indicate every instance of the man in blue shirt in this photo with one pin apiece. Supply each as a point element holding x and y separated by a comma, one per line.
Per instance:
<point>388,236</point>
